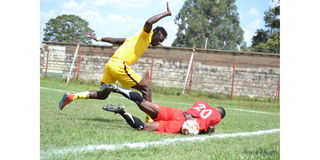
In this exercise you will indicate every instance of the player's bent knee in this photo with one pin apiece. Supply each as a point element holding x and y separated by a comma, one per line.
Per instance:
<point>102,94</point>
<point>136,97</point>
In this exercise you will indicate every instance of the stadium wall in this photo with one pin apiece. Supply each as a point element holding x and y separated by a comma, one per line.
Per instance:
<point>227,72</point>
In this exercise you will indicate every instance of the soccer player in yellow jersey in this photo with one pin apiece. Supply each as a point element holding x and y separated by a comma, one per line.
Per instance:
<point>117,68</point>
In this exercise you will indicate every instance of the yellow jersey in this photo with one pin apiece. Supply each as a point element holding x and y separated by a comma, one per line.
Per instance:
<point>134,47</point>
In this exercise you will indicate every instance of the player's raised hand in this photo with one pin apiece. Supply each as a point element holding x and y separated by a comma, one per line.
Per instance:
<point>92,36</point>
<point>168,9</point>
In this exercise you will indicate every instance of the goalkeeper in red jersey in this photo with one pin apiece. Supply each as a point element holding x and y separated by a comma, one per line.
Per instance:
<point>166,119</point>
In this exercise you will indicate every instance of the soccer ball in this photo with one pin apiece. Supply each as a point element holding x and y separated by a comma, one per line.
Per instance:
<point>190,127</point>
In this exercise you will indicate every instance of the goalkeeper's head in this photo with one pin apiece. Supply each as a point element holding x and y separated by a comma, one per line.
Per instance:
<point>221,111</point>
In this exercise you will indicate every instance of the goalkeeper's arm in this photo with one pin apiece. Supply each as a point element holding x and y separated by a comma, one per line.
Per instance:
<point>210,130</point>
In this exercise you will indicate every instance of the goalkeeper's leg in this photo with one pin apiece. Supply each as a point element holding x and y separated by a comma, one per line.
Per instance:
<point>133,121</point>
<point>136,123</point>
<point>145,89</point>
<point>149,108</point>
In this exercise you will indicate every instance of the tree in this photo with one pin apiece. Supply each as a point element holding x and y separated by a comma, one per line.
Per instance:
<point>243,47</point>
<point>268,40</point>
<point>67,28</point>
<point>272,19</point>
<point>213,19</point>
<point>260,37</point>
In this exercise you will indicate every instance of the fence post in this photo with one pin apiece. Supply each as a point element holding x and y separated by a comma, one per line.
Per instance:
<point>191,73</point>
<point>151,70</point>
<point>278,91</point>
<point>72,63</point>
<point>46,73</point>
<point>78,66</point>
<point>188,73</point>
<point>233,77</point>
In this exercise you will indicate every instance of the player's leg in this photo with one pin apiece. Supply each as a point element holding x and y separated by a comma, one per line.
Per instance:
<point>168,120</point>
<point>133,121</point>
<point>131,79</point>
<point>144,87</point>
<point>148,107</point>
<point>102,94</point>
<point>151,109</point>
<point>152,126</point>
<point>136,123</point>
<point>69,97</point>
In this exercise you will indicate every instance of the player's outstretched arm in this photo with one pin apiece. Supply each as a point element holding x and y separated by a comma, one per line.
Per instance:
<point>148,25</point>
<point>118,41</point>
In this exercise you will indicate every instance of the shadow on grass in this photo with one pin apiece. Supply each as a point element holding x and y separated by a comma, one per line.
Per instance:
<point>103,120</point>
<point>114,124</point>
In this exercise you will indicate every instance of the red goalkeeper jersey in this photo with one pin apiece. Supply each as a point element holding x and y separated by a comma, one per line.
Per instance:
<point>205,114</point>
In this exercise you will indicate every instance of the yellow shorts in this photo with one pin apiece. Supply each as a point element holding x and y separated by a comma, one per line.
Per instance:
<point>117,70</point>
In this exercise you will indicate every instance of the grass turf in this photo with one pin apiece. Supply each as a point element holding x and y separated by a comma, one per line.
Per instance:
<point>84,123</point>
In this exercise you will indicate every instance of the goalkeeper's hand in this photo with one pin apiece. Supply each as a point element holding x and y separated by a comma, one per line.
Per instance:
<point>210,130</point>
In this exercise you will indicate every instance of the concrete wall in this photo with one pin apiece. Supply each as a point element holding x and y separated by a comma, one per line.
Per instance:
<point>250,74</point>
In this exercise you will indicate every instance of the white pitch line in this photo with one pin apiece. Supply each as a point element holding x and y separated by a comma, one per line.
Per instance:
<point>54,89</point>
<point>161,102</point>
<point>253,111</point>
<point>140,145</point>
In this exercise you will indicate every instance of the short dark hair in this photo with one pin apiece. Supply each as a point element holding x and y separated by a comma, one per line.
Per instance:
<point>160,29</point>
<point>221,111</point>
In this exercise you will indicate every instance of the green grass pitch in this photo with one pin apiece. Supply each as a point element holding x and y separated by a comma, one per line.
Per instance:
<point>83,123</point>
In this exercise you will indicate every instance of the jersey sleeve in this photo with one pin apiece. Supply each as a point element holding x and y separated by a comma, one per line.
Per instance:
<point>146,35</point>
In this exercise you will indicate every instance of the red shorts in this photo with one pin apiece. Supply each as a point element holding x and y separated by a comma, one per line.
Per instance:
<point>170,119</point>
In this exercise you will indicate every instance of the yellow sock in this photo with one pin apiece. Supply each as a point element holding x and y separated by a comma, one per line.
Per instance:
<point>82,95</point>
<point>148,118</point>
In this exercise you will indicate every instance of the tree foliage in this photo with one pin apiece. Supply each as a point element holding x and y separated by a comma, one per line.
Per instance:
<point>67,28</point>
<point>260,37</point>
<point>213,19</point>
<point>268,40</point>
<point>272,19</point>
